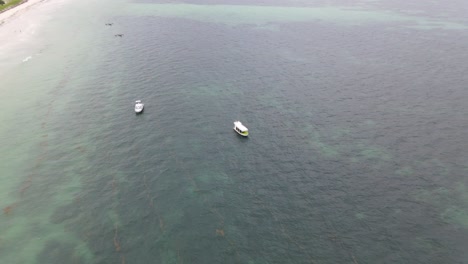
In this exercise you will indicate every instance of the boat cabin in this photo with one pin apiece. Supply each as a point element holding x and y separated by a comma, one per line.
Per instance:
<point>240,129</point>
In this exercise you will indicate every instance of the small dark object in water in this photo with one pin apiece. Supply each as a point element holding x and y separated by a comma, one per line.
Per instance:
<point>7,210</point>
<point>119,35</point>
<point>109,24</point>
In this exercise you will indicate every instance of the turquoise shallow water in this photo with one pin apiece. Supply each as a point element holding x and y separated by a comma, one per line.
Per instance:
<point>357,150</point>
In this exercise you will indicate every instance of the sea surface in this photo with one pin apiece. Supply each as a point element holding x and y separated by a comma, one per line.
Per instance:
<point>358,120</point>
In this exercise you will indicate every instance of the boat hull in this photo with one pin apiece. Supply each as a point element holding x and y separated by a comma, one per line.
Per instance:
<point>244,134</point>
<point>139,108</point>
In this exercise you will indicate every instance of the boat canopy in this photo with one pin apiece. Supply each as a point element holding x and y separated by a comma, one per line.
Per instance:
<point>241,127</point>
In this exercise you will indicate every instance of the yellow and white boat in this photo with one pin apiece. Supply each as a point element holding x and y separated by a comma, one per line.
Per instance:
<point>241,129</point>
<point>139,106</point>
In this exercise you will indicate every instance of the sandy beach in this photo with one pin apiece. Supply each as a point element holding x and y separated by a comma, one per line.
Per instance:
<point>11,13</point>
<point>20,25</point>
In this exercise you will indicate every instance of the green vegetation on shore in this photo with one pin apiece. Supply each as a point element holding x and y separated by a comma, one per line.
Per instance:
<point>9,4</point>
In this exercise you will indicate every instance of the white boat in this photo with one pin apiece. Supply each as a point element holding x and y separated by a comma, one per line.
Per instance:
<point>139,106</point>
<point>241,129</point>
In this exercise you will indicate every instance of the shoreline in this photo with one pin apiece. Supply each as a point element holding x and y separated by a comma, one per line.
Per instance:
<point>11,7</point>
<point>10,12</point>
